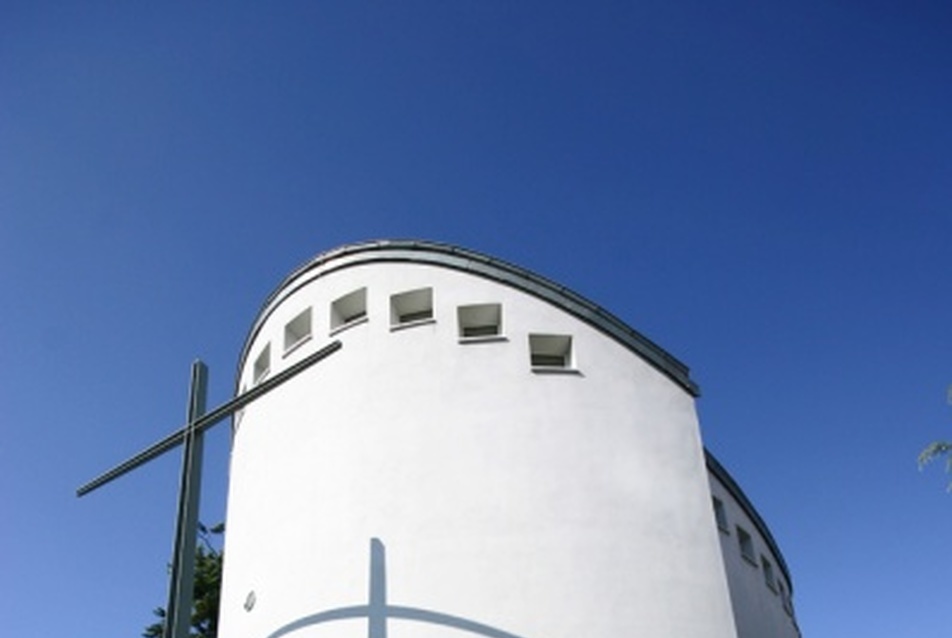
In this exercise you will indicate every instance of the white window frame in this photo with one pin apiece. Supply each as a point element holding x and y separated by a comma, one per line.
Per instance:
<point>262,365</point>
<point>348,310</point>
<point>298,331</point>
<point>769,578</point>
<point>411,308</point>
<point>551,353</point>
<point>746,544</point>
<point>720,515</point>
<point>479,322</point>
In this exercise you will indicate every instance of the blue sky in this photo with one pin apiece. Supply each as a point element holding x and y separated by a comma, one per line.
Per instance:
<point>762,188</point>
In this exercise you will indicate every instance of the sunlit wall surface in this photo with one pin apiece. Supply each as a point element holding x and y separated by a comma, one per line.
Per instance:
<point>488,454</point>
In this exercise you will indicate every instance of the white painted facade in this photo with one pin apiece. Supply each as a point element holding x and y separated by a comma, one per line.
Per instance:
<point>493,497</point>
<point>757,574</point>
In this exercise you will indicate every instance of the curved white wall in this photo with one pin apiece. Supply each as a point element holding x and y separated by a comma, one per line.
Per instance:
<point>533,504</point>
<point>759,583</point>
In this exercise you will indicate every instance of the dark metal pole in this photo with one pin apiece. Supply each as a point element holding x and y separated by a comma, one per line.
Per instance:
<point>181,583</point>
<point>208,420</point>
<point>182,579</point>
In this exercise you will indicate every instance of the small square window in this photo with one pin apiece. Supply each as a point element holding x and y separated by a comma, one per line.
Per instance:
<point>720,515</point>
<point>297,331</point>
<point>785,598</point>
<point>349,309</point>
<point>769,579</point>
<point>550,351</point>
<point>411,307</point>
<point>479,321</point>
<point>746,544</point>
<point>262,365</point>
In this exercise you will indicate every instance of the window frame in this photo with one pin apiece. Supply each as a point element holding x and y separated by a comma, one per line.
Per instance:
<point>745,543</point>
<point>552,353</point>
<point>479,317</point>
<point>262,365</point>
<point>348,310</point>
<point>770,578</point>
<point>720,515</point>
<point>412,308</point>
<point>299,337</point>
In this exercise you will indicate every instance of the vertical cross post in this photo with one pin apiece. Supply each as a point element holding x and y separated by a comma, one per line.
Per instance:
<point>182,577</point>
<point>178,615</point>
<point>377,609</point>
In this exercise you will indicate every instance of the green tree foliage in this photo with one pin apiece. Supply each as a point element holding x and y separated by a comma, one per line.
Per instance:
<point>208,563</point>
<point>939,449</point>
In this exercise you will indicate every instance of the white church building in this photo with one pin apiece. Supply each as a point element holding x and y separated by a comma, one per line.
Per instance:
<point>485,454</point>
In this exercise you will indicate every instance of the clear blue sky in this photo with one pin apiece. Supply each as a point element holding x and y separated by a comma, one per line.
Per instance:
<point>762,188</point>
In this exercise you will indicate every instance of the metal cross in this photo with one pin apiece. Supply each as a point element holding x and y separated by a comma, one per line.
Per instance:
<point>181,579</point>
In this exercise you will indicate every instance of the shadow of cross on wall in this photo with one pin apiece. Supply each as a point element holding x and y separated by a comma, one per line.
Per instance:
<point>378,612</point>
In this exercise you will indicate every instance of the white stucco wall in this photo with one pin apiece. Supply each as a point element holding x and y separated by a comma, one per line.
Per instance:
<point>545,505</point>
<point>759,609</point>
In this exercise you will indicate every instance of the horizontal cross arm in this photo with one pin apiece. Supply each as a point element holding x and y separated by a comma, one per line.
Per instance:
<point>208,420</point>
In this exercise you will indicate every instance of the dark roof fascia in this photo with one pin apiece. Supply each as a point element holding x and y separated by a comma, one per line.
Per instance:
<point>724,477</point>
<point>437,254</point>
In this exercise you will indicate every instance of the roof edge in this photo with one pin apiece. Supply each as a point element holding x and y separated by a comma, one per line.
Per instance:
<point>446,255</point>
<point>732,486</point>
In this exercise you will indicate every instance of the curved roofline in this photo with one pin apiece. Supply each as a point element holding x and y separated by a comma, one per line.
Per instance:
<point>449,256</point>
<point>722,475</point>
<point>446,255</point>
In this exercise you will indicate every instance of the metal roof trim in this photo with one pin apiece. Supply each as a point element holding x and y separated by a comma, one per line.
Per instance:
<point>433,253</point>
<point>724,477</point>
